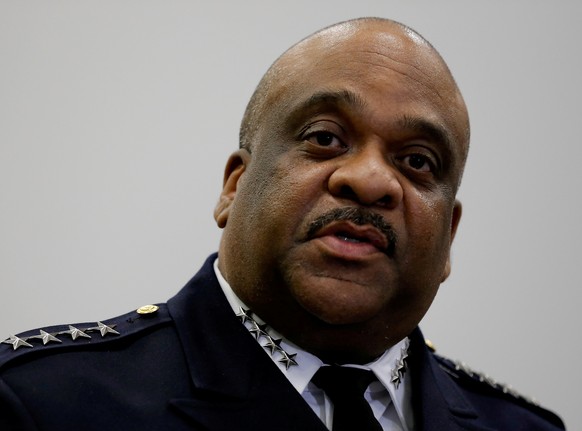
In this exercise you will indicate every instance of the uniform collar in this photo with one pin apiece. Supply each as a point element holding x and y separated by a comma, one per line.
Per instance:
<point>233,383</point>
<point>307,364</point>
<point>301,374</point>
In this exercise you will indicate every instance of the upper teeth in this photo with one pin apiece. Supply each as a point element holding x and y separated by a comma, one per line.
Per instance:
<point>348,238</point>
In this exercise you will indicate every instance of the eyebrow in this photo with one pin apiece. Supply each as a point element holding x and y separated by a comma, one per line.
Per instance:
<point>431,130</point>
<point>327,98</point>
<point>343,97</point>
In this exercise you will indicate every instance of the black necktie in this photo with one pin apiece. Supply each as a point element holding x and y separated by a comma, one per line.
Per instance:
<point>345,387</point>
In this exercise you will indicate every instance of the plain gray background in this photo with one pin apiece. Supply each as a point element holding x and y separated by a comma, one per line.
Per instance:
<point>116,119</point>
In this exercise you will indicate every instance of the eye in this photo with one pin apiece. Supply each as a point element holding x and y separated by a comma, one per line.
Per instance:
<point>419,162</point>
<point>323,138</point>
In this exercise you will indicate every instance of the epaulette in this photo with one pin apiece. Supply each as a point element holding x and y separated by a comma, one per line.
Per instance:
<point>481,382</point>
<point>478,382</point>
<point>50,339</point>
<point>466,375</point>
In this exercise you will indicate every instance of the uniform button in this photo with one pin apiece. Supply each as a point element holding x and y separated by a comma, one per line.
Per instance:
<point>430,345</point>
<point>148,309</point>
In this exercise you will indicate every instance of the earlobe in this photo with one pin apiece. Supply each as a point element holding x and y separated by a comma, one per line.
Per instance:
<point>235,167</point>
<point>455,219</point>
<point>221,211</point>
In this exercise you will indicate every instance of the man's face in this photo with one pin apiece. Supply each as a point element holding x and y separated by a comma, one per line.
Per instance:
<point>338,222</point>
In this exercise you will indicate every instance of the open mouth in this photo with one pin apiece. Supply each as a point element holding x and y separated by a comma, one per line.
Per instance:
<point>355,234</point>
<point>344,236</point>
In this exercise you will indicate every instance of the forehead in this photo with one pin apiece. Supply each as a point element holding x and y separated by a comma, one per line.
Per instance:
<point>389,67</point>
<point>363,53</point>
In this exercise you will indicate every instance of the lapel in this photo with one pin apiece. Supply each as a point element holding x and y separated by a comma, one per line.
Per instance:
<point>437,402</point>
<point>235,385</point>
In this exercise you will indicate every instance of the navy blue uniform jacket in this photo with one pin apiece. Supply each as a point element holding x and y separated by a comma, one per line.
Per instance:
<point>192,366</point>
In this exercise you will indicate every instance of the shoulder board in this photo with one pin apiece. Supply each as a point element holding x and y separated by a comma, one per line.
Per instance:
<point>461,371</point>
<point>467,376</point>
<point>77,335</point>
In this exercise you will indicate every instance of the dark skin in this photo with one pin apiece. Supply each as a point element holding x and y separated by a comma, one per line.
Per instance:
<point>363,116</point>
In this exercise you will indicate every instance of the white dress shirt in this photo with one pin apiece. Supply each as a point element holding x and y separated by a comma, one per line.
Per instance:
<point>391,405</point>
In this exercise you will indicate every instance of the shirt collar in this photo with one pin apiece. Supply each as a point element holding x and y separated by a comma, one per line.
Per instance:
<point>308,364</point>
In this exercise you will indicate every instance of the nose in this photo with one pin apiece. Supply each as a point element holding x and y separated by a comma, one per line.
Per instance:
<point>365,176</point>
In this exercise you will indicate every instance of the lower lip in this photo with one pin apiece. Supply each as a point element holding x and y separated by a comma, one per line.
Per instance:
<point>346,249</point>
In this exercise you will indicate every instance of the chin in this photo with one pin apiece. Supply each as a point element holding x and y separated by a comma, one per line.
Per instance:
<point>340,301</point>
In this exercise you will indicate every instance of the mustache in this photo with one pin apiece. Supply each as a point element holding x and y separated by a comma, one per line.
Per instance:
<point>360,217</point>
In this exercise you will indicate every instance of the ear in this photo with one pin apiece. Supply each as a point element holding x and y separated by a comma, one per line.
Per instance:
<point>235,167</point>
<point>455,219</point>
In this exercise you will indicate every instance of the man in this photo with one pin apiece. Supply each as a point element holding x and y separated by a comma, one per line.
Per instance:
<point>338,212</point>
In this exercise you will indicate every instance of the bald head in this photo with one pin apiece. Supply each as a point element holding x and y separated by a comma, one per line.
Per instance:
<point>373,34</point>
<point>339,210</point>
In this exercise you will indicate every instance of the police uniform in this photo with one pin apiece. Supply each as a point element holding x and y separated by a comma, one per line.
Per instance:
<point>190,365</point>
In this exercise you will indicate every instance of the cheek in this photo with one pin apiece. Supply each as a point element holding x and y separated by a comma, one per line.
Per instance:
<point>295,180</point>
<point>429,228</point>
<point>274,200</point>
